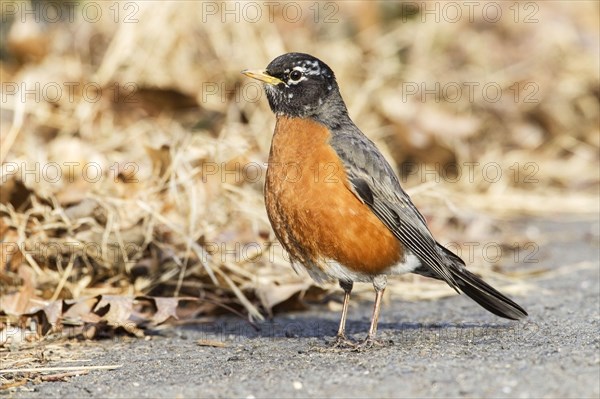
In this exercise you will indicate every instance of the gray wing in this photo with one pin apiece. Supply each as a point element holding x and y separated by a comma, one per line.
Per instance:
<point>375,184</point>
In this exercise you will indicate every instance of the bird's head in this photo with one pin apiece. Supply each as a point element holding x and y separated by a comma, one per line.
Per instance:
<point>300,85</point>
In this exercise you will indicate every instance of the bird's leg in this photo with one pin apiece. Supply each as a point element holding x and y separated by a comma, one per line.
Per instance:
<point>347,287</point>
<point>379,283</point>
<point>340,339</point>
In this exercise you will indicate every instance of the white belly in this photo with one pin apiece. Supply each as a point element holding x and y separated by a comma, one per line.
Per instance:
<point>333,270</point>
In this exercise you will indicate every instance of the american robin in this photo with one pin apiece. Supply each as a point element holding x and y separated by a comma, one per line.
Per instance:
<point>336,205</point>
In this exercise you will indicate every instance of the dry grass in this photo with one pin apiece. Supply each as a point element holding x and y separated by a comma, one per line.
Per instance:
<point>162,157</point>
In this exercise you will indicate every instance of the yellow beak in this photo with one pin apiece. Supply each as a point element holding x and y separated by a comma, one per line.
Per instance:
<point>261,75</point>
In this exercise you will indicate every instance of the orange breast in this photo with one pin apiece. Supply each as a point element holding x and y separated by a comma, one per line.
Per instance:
<point>311,208</point>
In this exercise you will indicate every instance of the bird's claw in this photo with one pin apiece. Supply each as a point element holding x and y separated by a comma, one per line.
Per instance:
<point>369,343</point>
<point>342,342</point>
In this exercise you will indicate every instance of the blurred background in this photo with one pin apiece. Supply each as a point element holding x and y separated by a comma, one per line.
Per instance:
<point>133,151</point>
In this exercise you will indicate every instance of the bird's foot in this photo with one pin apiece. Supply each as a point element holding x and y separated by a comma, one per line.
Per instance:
<point>369,343</point>
<point>342,342</point>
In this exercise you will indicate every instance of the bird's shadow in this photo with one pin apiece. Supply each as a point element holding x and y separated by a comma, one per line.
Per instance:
<point>308,326</point>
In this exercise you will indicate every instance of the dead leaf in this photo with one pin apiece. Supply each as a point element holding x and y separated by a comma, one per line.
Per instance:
<point>165,308</point>
<point>211,342</point>
<point>80,311</point>
<point>19,302</point>
<point>54,311</point>
<point>272,294</point>
<point>161,160</point>
<point>116,310</point>
<point>11,256</point>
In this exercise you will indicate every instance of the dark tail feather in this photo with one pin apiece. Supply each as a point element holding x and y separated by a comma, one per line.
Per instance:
<point>485,295</point>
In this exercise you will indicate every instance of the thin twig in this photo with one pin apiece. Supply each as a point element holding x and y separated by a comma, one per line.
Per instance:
<point>61,368</point>
<point>62,376</point>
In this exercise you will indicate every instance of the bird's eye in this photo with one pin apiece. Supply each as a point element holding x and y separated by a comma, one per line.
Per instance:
<point>295,75</point>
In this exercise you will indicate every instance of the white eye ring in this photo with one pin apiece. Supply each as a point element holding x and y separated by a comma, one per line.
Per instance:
<point>295,75</point>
